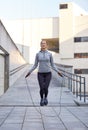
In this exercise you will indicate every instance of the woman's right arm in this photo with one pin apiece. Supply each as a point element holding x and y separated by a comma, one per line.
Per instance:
<point>33,67</point>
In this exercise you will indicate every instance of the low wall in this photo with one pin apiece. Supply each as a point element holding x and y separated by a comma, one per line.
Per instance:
<point>16,73</point>
<point>14,63</point>
<point>15,57</point>
<point>1,74</point>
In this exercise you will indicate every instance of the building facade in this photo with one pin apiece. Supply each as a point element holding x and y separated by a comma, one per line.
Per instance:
<point>11,61</point>
<point>73,34</point>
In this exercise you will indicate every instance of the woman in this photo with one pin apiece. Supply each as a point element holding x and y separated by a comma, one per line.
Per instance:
<point>45,61</point>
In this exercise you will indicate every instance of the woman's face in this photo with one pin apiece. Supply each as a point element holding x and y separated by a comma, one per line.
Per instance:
<point>44,45</point>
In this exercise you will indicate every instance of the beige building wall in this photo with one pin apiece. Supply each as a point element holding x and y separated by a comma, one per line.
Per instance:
<point>66,31</point>
<point>10,59</point>
<point>30,32</point>
<point>73,23</point>
<point>71,26</point>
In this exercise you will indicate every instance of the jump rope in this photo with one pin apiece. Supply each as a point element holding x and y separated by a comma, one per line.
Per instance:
<point>39,110</point>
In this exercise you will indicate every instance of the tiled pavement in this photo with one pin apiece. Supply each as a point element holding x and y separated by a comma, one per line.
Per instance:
<point>17,111</point>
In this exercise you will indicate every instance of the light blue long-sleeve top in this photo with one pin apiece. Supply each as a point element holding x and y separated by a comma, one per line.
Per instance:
<point>44,61</point>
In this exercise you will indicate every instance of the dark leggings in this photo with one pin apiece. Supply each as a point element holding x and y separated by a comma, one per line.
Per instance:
<point>44,80</point>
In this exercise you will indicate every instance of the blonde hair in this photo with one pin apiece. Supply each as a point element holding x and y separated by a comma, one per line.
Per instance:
<point>43,41</point>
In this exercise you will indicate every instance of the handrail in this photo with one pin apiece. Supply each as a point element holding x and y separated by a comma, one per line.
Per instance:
<point>17,69</point>
<point>76,84</point>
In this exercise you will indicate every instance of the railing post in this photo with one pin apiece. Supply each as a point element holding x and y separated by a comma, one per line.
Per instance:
<point>76,86</point>
<point>80,87</point>
<point>84,90</point>
<point>68,83</point>
<point>71,83</point>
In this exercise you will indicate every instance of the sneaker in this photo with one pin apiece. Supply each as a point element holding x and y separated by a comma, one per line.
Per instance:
<point>45,101</point>
<point>42,102</point>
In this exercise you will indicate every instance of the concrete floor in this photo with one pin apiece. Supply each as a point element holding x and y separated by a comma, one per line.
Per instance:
<point>19,112</point>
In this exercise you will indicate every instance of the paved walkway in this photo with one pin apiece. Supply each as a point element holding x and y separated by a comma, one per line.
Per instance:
<point>17,111</point>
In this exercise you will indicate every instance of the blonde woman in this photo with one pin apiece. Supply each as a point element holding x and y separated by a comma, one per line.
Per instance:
<point>45,60</point>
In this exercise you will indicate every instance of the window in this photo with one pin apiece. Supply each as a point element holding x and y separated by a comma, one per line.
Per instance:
<point>81,55</point>
<point>63,6</point>
<point>78,71</point>
<point>77,39</point>
<point>53,44</point>
<point>81,71</point>
<point>81,39</point>
<point>84,39</point>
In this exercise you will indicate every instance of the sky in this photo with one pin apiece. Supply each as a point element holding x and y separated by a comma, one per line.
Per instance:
<point>24,9</point>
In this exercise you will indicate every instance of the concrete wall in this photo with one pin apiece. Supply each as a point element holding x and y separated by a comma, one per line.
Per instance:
<point>73,23</point>
<point>81,29</point>
<point>15,59</point>
<point>24,50</point>
<point>66,30</point>
<point>1,74</point>
<point>81,26</point>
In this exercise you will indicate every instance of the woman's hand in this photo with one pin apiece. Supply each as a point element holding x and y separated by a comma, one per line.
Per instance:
<point>60,74</point>
<point>27,75</point>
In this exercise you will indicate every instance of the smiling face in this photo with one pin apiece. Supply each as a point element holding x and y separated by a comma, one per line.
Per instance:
<point>43,45</point>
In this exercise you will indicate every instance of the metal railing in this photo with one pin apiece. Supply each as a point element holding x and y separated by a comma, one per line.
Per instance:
<point>75,83</point>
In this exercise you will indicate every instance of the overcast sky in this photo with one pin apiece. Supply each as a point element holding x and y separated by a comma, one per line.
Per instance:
<point>16,9</point>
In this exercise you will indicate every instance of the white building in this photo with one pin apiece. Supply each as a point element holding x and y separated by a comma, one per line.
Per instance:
<point>29,33</point>
<point>73,38</point>
<point>66,34</point>
<point>12,63</point>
